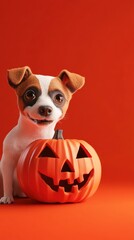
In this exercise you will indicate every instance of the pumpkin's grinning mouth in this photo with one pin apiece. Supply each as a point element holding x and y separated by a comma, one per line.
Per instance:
<point>65,184</point>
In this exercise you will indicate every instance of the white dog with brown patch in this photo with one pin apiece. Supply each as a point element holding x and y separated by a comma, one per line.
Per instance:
<point>43,101</point>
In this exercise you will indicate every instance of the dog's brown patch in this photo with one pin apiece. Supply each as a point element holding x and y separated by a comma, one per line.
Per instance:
<point>57,84</point>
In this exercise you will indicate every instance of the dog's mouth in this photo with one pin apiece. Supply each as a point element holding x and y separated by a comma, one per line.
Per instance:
<point>64,183</point>
<point>40,121</point>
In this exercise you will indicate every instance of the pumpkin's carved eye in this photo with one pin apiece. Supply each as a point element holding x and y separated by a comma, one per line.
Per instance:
<point>48,152</point>
<point>82,153</point>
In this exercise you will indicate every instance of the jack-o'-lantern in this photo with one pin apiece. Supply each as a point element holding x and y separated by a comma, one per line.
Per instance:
<point>59,170</point>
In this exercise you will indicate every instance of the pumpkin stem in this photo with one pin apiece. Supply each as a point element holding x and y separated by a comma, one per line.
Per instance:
<point>58,134</point>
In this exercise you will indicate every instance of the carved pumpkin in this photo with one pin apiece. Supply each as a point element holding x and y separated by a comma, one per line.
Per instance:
<point>59,170</point>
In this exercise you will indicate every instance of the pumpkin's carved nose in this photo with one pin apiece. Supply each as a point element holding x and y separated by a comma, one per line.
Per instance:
<point>67,167</point>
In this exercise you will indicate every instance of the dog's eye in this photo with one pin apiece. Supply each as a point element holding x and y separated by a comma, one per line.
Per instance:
<point>29,95</point>
<point>59,98</point>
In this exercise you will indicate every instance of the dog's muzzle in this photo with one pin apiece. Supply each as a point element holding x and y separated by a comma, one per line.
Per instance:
<point>40,121</point>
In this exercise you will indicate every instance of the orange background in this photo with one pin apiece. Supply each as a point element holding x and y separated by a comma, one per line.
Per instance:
<point>95,39</point>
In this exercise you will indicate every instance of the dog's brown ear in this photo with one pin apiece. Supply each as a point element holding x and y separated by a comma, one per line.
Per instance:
<point>72,81</point>
<point>18,75</point>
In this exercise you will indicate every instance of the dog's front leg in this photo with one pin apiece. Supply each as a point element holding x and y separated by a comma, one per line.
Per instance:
<point>1,182</point>
<point>7,169</point>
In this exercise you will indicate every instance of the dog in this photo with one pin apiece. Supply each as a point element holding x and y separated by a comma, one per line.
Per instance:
<point>43,101</point>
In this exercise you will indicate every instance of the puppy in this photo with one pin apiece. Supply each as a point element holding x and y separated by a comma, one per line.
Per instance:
<point>43,101</point>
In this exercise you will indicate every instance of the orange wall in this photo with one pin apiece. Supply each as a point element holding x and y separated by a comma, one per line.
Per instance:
<point>93,38</point>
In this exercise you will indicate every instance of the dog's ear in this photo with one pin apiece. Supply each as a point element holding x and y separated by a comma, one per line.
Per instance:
<point>72,81</point>
<point>18,75</point>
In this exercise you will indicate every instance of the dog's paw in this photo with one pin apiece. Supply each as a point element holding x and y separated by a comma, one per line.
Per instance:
<point>6,200</point>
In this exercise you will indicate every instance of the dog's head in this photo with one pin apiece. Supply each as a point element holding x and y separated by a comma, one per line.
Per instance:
<point>44,99</point>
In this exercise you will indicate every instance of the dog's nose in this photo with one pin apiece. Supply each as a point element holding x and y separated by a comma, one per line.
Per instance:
<point>45,111</point>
